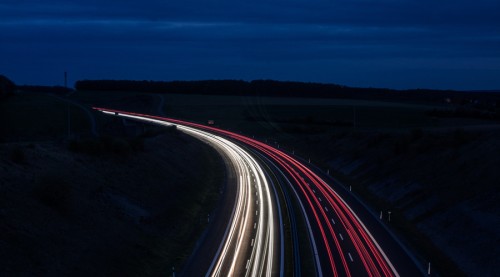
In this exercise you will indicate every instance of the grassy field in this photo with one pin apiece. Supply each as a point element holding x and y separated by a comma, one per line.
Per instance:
<point>265,115</point>
<point>234,110</point>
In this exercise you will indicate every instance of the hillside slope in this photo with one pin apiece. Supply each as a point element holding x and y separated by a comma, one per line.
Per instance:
<point>109,213</point>
<point>440,184</point>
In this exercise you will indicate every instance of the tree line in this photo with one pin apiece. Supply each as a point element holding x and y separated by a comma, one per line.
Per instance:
<point>44,89</point>
<point>227,87</point>
<point>286,89</point>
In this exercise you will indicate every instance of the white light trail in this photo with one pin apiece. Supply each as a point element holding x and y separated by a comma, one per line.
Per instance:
<point>250,237</point>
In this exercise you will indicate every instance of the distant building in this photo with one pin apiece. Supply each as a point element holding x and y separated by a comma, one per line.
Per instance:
<point>211,122</point>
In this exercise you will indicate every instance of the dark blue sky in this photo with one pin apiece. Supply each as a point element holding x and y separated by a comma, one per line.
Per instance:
<point>378,43</point>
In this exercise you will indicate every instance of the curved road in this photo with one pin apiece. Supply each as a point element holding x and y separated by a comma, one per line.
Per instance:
<point>344,242</point>
<point>251,241</point>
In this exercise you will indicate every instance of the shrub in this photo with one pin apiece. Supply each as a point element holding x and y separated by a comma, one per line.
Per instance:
<point>120,146</point>
<point>137,144</point>
<point>377,139</point>
<point>171,128</point>
<point>400,145</point>
<point>17,155</point>
<point>107,145</point>
<point>7,87</point>
<point>416,134</point>
<point>87,146</point>
<point>55,192</point>
<point>460,137</point>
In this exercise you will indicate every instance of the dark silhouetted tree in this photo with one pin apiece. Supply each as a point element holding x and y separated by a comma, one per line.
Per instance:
<point>7,87</point>
<point>287,89</point>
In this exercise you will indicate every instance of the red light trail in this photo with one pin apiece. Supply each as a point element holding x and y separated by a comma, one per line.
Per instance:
<point>322,202</point>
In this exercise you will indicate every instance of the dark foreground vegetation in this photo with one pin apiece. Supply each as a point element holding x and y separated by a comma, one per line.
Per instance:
<point>7,87</point>
<point>45,89</point>
<point>106,212</point>
<point>123,203</point>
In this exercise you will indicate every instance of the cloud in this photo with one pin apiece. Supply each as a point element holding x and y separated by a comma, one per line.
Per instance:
<point>373,13</point>
<point>253,36</point>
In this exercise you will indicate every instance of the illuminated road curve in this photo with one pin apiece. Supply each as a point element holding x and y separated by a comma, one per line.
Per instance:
<point>250,246</point>
<point>342,243</point>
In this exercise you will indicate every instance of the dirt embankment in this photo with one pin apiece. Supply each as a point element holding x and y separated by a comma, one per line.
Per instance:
<point>443,185</point>
<point>123,211</point>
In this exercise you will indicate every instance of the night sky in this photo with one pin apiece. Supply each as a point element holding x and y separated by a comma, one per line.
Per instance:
<point>366,43</point>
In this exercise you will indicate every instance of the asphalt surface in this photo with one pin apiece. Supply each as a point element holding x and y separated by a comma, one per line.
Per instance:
<point>346,237</point>
<point>251,242</point>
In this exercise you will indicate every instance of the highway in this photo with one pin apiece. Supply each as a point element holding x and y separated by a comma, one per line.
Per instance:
<point>344,242</point>
<point>251,241</point>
